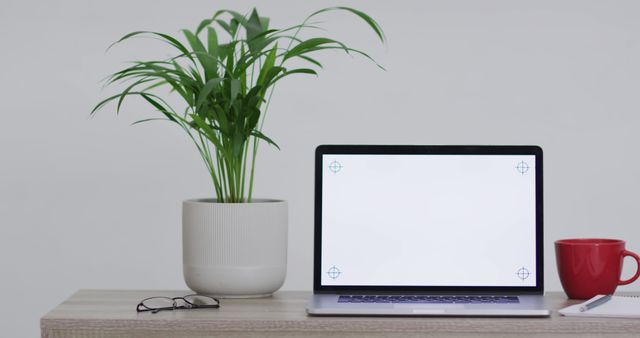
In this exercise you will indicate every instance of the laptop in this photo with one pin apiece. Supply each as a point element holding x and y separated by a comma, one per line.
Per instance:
<point>428,231</point>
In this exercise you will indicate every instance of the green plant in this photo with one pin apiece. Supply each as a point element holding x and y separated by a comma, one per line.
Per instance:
<point>227,86</point>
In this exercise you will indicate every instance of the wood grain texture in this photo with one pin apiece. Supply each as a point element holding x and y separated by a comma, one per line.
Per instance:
<point>111,313</point>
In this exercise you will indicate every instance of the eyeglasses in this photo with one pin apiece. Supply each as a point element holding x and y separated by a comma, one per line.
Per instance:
<point>157,304</point>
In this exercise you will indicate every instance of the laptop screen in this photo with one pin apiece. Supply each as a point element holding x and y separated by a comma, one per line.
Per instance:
<point>432,219</point>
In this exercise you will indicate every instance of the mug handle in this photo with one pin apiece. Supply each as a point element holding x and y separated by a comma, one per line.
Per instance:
<point>632,279</point>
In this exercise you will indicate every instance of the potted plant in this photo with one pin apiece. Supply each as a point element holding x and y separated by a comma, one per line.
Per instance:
<point>234,245</point>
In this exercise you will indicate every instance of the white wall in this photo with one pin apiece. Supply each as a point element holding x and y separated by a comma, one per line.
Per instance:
<point>95,203</point>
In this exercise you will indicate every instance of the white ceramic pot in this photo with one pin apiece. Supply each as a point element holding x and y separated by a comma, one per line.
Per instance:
<point>234,249</point>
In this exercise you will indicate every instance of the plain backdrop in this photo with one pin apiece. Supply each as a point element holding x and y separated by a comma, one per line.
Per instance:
<point>95,203</point>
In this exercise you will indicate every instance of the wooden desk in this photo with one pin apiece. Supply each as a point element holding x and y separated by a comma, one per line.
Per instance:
<point>111,313</point>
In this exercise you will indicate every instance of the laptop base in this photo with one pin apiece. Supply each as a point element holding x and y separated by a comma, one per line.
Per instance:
<point>328,305</point>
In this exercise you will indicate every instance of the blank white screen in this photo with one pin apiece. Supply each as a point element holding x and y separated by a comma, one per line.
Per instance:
<point>428,220</point>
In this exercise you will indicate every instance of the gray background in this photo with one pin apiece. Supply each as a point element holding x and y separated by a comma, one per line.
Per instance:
<point>95,203</point>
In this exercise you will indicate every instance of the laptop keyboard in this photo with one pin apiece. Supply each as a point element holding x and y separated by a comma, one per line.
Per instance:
<point>429,299</point>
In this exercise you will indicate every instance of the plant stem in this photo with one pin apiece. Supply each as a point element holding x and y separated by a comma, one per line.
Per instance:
<point>244,166</point>
<point>211,166</point>
<point>231,178</point>
<point>225,182</point>
<point>204,152</point>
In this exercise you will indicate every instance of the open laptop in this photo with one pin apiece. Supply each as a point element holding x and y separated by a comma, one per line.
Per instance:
<point>428,230</point>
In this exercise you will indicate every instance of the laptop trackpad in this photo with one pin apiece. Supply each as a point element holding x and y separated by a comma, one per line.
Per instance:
<point>428,307</point>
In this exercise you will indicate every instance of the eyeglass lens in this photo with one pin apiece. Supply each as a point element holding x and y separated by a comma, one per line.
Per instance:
<point>159,302</point>
<point>199,300</point>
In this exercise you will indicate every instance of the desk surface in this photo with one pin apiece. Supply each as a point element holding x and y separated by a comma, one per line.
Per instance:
<point>111,313</point>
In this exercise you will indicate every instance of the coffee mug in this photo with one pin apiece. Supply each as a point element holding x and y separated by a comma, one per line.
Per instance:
<point>592,266</point>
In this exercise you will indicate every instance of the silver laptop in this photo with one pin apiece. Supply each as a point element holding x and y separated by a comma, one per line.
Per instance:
<point>428,231</point>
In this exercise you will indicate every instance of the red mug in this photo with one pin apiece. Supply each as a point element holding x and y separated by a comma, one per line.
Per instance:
<point>592,266</point>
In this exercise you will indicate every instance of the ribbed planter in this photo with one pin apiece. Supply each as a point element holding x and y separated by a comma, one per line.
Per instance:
<point>234,249</point>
